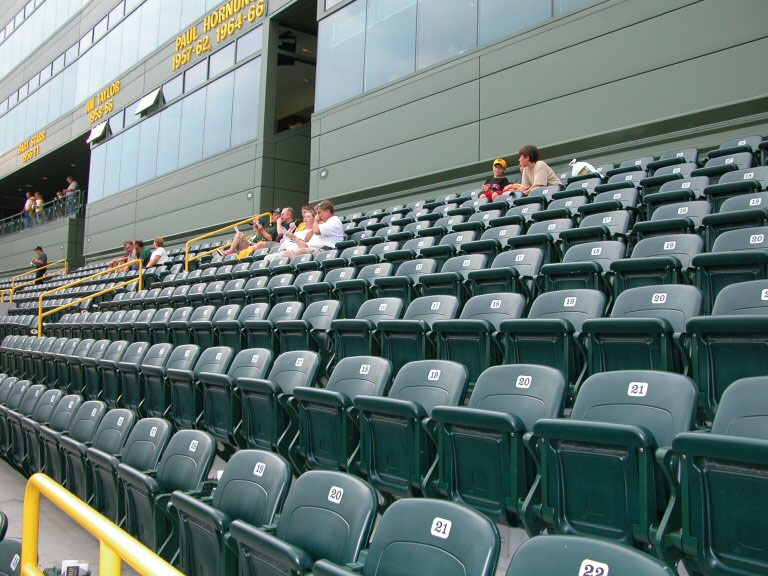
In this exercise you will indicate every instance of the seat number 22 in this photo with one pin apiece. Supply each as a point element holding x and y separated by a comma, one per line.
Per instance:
<point>592,568</point>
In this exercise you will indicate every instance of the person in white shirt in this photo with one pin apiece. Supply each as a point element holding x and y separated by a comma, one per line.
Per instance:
<point>159,256</point>
<point>72,185</point>
<point>327,228</point>
<point>295,243</point>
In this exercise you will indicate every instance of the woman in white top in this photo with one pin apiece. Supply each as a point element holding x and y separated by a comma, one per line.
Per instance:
<point>159,256</point>
<point>295,243</point>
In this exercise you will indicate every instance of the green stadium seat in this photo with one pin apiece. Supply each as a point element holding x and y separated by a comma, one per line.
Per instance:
<point>398,441</point>
<point>345,508</point>
<point>260,333</point>
<point>601,469</point>
<point>452,278</point>
<point>358,336</point>
<point>252,489</point>
<point>184,466</point>
<point>492,241</point>
<point>29,426</point>
<point>151,395</point>
<point>195,296</point>
<point>473,338</point>
<point>87,325</point>
<point>743,211</point>
<point>14,449</point>
<point>411,338</point>
<point>717,166</point>
<point>76,383</point>
<point>674,218</point>
<point>737,256</point>
<point>310,332</point>
<point>10,557</point>
<point>329,437</point>
<point>266,294</point>
<point>568,555</point>
<point>410,250</point>
<point>80,428</point>
<point>180,329</point>
<point>354,292</point>
<point>551,335</point>
<point>736,183</point>
<point>142,327</point>
<point>376,254</point>
<point>201,326</point>
<point>645,331</point>
<point>561,208</point>
<point>668,173</point>
<point>584,266</point>
<point>92,385</point>
<point>656,261</point>
<point>110,387</point>
<point>234,291</point>
<point>222,408</point>
<point>449,246</point>
<point>293,292</point>
<point>730,343</point>
<point>62,365</point>
<point>511,271</point>
<point>126,325</point>
<point>426,537</point>
<point>228,323</point>
<point>113,325</point>
<point>483,461</point>
<point>740,144</point>
<point>141,451</point>
<point>325,289</point>
<point>109,436</point>
<point>596,227</point>
<point>127,387</point>
<point>160,328</point>
<point>15,394</point>
<point>405,285</point>
<point>214,293</point>
<point>181,372</point>
<point>723,530</point>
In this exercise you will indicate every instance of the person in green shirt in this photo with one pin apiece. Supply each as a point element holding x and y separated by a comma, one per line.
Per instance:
<point>141,253</point>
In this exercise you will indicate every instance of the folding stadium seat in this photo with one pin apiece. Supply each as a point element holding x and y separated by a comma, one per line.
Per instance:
<point>109,436</point>
<point>492,241</point>
<point>294,291</point>
<point>222,411</point>
<point>184,466</point>
<point>100,326</point>
<point>234,291</point>
<point>410,250</point>
<point>551,335</point>
<point>183,375</point>
<point>511,271</point>
<point>483,461</point>
<point>544,235</point>
<point>88,325</point>
<point>126,325</point>
<point>645,331</point>
<point>108,365</point>
<point>453,277</point>
<point>92,385</point>
<point>195,295</point>
<point>310,332</point>
<point>228,323</point>
<point>324,289</point>
<point>29,357</point>
<point>685,190</point>
<point>113,325</point>
<point>397,438</point>
<point>214,293</point>
<point>224,272</point>
<point>473,338</point>
<point>205,546</point>
<point>677,218</point>
<point>114,304</point>
<point>626,198</point>
<point>201,326</point>
<point>10,557</point>
<point>241,270</point>
<point>61,359</point>
<point>723,481</point>
<point>480,221</point>
<point>719,165</point>
<point>11,413</point>
<point>179,327</point>
<point>358,336</point>
<point>731,342</point>
<point>329,437</point>
<point>405,285</point>
<point>145,388</point>
<point>209,273</point>
<point>584,266</point>
<point>344,505</point>
<point>412,338</point>
<point>150,298</point>
<point>252,285</point>
<point>142,327</point>
<point>673,158</point>
<point>270,421</point>
<point>259,332</point>
<point>595,227</point>
<point>80,428</point>
<point>566,555</point>
<point>741,144</point>
<point>746,210</point>
<point>266,294</point>
<point>656,261</point>
<point>670,173</point>
<point>737,256</point>
<point>11,395</point>
<point>375,254</point>
<point>567,207</point>
<point>49,359</point>
<point>38,359</point>
<point>620,429</point>
<point>736,183</point>
<point>141,451</point>
<point>436,536</point>
<point>194,277</point>
<point>449,246</point>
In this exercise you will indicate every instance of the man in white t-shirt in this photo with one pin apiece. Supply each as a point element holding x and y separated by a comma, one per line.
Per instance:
<point>72,186</point>
<point>159,256</point>
<point>327,228</point>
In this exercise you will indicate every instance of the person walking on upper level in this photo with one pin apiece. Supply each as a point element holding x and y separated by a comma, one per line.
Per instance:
<point>536,173</point>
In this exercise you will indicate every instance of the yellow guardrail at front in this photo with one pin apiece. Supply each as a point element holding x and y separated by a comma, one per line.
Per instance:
<point>27,273</point>
<point>41,314</point>
<point>188,259</point>
<point>116,546</point>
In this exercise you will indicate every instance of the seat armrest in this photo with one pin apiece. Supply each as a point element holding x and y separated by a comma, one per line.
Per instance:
<point>720,447</point>
<point>180,374</point>
<point>650,263</point>
<point>258,385</point>
<point>737,257</point>
<point>326,568</point>
<point>626,326</point>
<point>390,406</point>
<point>594,432</point>
<point>294,559</point>
<point>403,326</point>
<point>223,380</point>
<point>295,325</point>
<point>353,325</point>
<point>571,268</point>
<point>537,325</point>
<point>102,459</point>
<point>480,419</point>
<point>203,513</point>
<point>134,477</point>
<point>321,396</point>
<point>735,324</point>
<point>469,326</point>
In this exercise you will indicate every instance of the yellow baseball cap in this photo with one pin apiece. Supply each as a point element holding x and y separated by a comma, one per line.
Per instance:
<point>500,161</point>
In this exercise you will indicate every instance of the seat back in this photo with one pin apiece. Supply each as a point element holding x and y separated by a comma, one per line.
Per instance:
<point>435,537</point>
<point>663,403</point>
<point>356,375</point>
<point>431,383</point>
<point>146,443</point>
<point>744,298</point>
<point>319,315</point>
<point>214,360</point>
<point>681,246</point>
<point>742,409</point>
<point>527,261</point>
<point>113,430</point>
<point>186,460</point>
<point>429,309</point>
<point>753,238</point>
<point>46,405</point>
<point>380,309</point>
<point>494,308</point>
<point>373,271</point>
<point>576,306</point>
<point>86,420</point>
<point>251,363</point>
<point>64,412</point>
<point>602,253</point>
<point>674,303</point>
<point>254,312</point>
<point>745,202</point>
<point>10,557</point>
<point>297,368</point>
<point>285,311</point>
<point>465,264</point>
<point>695,211</point>
<point>568,555</point>
<point>182,357</point>
<point>155,358</point>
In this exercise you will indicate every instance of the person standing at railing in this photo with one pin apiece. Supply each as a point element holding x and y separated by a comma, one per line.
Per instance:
<point>39,208</point>
<point>39,262</point>
<point>58,204</point>
<point>70,195</point>
<point>26,214</point>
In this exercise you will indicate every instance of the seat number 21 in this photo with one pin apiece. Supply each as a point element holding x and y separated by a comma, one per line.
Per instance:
<point>441,528</point>
<point>591,568</point>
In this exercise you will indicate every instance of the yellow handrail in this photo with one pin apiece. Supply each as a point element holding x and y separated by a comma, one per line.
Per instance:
<point>116,545</point>
<point>196,257</point>
<point>51,275</point>
<point>41,314</point>
<point>13,280</point>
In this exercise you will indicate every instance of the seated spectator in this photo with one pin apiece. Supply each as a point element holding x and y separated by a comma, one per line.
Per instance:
<point>494,186</point>
<point>158,256</point>
<point>141,253</point>
<point>128,249</point>
<point>327,230</point>
<point>282,223</point>
<point>536,173</point>
<point>295,241</point>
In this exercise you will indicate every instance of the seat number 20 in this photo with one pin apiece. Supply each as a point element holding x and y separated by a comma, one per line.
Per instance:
<point>592,568</point>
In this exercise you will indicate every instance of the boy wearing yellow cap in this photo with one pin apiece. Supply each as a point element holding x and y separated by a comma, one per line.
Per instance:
<point>494,186</point>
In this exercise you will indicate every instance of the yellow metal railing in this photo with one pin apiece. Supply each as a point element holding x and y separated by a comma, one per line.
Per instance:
<point>29,272</point>
<point>116,546</point>
<point>199,255</point>
<point>41,314</point>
